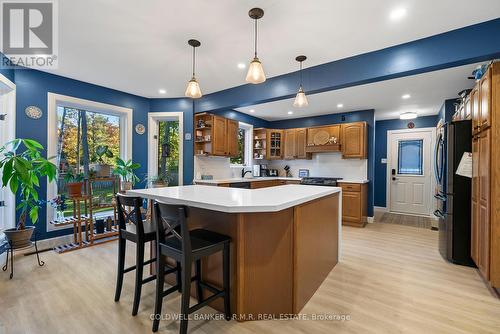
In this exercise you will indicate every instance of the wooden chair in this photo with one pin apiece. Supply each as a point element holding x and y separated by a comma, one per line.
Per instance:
<point>187,247</point>
<point>134,229</point>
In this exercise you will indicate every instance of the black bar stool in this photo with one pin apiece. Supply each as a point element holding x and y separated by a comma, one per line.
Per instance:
<point>133,228</point>
<point>176,241</point>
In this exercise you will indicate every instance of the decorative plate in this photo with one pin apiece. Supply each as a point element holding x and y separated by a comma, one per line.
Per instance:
<point>33,112</point>
<point>321,137</point>
<point>140,129</point>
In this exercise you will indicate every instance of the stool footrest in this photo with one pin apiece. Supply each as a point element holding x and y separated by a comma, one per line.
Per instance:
<point>205,301</point>
<point>170,290</point>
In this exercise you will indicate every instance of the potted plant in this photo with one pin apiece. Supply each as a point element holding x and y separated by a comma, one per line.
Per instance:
<point>157,181</point>
<point>59,203</point>
<point>126,171</point>
<point>21,172</point>
<point>101,168</point>
<point>74,183</point>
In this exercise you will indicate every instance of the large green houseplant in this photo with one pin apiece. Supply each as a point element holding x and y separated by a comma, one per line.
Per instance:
<point>125,169</point>
<point>22,168</point>
<point>101,168</point>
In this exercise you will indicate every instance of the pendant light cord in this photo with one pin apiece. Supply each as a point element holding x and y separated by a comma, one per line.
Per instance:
<point>301,74</point>
<point>194,59</point>
<point>255,38</point>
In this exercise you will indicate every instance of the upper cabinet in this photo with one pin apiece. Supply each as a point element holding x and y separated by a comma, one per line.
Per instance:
<point>290,151</point>
<point>354,140</point>
<point>485,100</point>
<point>474,104</point>
<point>219,141</point>
<point>323,139</point>
<point>301,140</point>
<point>215,135</point>
<point>232,137</point>
<point>275,142</point>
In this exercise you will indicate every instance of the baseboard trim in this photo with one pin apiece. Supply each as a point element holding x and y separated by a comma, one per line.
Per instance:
<point>370,220</point>
<point>380,208</point>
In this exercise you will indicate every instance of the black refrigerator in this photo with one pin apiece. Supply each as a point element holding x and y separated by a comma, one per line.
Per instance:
<point>453,193</point>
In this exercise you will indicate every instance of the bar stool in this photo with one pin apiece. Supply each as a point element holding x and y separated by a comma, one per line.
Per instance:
<point>133,228</point>
<point>176,241</point>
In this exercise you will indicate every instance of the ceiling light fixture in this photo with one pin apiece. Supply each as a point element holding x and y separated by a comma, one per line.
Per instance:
<point>162,91</point>
<point>301,98</point>
<point>406,96</point>
<point>408,115</point>
<point>252,110</point>
<point>255,74</point>
<point>340,105</point>
<point>397,14</point>
<point>193,88</point>
<point>290,113</point>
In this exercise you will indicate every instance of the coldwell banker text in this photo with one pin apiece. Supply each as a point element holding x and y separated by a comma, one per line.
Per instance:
<point>29,34</point>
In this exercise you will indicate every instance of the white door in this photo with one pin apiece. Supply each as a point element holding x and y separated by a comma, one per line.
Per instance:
<point>409,174</point>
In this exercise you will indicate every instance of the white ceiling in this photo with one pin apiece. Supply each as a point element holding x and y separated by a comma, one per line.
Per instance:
<point>141,46</point>
<point>427,93</point>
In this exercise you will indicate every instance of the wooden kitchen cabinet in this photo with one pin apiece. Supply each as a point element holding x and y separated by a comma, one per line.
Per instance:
<point>354,203</point>
<point>232,137</point>
<point>483,218</point>
<point>290,151</point>
<point>354,140</point>
<point>485,100</point>
<point>475,201</point>
<point>301,139</point>
<point>474,103</point>
<point>219,141</point>
<point>323,139</point>
<point>274,149</point>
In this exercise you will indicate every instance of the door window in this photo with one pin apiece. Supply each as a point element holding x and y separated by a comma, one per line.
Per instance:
<point>168,152</point>
<point>410,157</point>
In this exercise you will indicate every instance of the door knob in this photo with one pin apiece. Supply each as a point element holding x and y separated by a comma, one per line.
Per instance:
<point>394,178</point>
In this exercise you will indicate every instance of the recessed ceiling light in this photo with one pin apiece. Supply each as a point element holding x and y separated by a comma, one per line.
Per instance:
<point>242,66</point>
<point>408,115</point>
<point>290,113</point>
<point>397,14</point>
<point>252,110</point>
<point>340,105</point>
<point>162,91</point>
<point>406,96</point>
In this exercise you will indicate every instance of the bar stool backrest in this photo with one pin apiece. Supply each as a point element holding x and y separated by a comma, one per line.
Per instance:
<point>171,223</point>
<point>129,211</point>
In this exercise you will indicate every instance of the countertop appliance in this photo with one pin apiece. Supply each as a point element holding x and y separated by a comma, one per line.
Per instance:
<point>320,181</point>
<point>272,172</point>
<point>256,170</point>
<point>453,193</point>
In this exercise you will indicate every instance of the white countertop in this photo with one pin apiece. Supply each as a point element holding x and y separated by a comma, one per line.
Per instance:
<point>247,179</point>
<point>233,200</point>
<point>353,181</point>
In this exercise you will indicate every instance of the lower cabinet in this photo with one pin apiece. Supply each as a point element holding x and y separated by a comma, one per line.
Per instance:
<point>354,203</point>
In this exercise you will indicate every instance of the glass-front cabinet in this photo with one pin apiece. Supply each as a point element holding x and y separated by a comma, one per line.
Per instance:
<point>274,144</point>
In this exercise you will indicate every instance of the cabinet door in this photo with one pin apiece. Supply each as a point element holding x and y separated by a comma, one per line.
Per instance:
<point>351,206</point>
<point>219,131</point>
<point>354,140</point>
<point>300,135</point>
<point>232,137</point>
<point>475,202</point>
<point>467,108</point>
<point>290,144</point>
<point>274,147</point>
<point>484,204</point>
<point>485,100</point>
<point>474,103</point>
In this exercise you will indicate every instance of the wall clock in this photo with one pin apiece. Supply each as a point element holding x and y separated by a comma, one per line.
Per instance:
<point>33,112</point>
<point>140,129</point>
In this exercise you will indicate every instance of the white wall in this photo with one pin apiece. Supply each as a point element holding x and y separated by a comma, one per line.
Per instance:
<point>326,165</point>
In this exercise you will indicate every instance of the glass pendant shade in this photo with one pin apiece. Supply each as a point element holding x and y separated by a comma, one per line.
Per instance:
<point>255,74</point>
<point>193,89</point>
<point>300,99</point>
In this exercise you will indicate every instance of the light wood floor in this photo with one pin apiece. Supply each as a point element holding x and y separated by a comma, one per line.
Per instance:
<point>391,280</point>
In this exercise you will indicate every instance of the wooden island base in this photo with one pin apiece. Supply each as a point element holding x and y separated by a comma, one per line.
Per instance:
<point>278,259</point>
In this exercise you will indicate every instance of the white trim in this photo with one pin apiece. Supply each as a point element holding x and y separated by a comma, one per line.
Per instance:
<point>55,100</point>
<point>153,118</point>
<point>370,220</point>
<point>248,153</point>
<point>380,208</point>
<point>432,131</point>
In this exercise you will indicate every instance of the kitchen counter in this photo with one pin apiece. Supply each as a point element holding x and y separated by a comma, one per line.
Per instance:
<point>353,181</point>
<point>246,179</point>
<point>285,240</point>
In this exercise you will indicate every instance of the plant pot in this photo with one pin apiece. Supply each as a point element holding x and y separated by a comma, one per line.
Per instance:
<point>159,184</point>
<point>99,226</point>
<point>74,189</point>
<point>102,170</point>
<point>19,238</point>
<point>126,186</point>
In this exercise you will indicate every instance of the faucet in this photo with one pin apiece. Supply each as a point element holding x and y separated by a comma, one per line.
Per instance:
<point>243,172</point>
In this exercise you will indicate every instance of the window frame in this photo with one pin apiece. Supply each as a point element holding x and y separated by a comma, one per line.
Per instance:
<point>57,100</point>
<point>421,157</point>
<point>247,153</point>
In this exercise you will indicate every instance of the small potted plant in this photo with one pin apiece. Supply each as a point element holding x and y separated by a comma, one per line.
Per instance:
<point>21,172</point>
<point>74,183</point>
<point>59,203</point>
<point>126,171</point>
<point>101,168</point>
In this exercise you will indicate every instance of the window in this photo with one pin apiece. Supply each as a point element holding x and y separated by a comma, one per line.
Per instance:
<point>410,157</point>
<point>168,151</point>
<point>244,146</point>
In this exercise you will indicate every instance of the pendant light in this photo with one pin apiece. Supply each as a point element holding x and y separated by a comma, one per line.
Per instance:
<point>193,88</point>
<point>301,98</point>
<point>255,74</point>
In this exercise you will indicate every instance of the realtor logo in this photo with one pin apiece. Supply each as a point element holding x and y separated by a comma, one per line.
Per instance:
<point>29,33</point>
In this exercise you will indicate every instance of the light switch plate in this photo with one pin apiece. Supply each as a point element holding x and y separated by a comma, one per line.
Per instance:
<point>187,136</point>
<point>383,160</point>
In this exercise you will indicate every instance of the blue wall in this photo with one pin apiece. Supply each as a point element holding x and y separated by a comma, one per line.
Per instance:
<point>447,110</point>
<point>381,128</point>
<point>32,88</point>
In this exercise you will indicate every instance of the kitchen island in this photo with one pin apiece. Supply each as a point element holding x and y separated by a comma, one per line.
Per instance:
<point>285,241</point>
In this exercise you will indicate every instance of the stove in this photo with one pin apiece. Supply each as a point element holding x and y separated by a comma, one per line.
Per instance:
<point>321,181</point>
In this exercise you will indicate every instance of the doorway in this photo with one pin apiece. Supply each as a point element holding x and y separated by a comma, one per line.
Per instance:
<point>165,148</point>
<point>409,173</point>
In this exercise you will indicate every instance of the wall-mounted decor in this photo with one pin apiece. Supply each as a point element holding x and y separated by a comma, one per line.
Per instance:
<point>33,112</point>
<point>140,129</point>
<point>411,125</point>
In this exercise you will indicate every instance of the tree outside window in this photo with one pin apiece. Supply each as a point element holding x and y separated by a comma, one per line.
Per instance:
<point>240,158</point>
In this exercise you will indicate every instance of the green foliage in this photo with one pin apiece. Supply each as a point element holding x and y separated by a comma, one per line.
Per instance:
<point>100,152</point>
<point>168,170</point>
<point>239,159</point>
<point>22,170</point>
<point>126,170</point>
<point>73,177</point>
